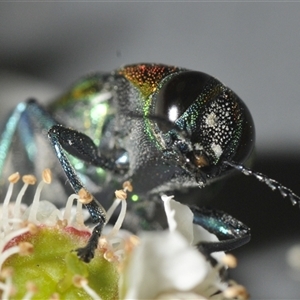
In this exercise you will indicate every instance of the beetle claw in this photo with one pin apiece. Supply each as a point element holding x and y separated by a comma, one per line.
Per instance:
<point>85,254</point>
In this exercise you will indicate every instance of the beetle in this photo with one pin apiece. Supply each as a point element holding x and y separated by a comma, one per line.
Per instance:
<point>162,127</point>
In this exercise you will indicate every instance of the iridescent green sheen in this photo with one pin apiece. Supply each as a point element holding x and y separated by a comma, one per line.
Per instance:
<point>85,89</point>
<point>87,108</point>
<point>147,79</point>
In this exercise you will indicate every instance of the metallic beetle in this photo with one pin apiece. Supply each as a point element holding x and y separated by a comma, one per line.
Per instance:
<point>163,128</point>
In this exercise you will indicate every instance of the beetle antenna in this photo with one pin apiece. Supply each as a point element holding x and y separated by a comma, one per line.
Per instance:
<point>271,183</point>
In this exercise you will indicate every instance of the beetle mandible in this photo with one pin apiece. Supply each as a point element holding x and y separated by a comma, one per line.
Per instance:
<point>159,126</point>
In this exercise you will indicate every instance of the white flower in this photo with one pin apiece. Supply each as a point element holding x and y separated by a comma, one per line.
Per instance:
<point>154,265</point>
<point>165,265</point>
<point>182,216</point>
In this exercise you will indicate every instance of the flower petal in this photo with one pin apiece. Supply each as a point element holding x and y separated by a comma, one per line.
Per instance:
<point>181,215</point>
<point>162,262</point>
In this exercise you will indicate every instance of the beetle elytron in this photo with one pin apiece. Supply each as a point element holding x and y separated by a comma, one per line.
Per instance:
<point>161,127</point>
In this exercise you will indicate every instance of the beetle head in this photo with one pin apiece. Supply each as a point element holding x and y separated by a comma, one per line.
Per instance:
<point>212,124</point>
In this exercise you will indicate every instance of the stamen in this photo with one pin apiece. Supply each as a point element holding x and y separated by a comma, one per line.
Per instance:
<point>31,290</point>
<point>13,234</point>
<point>84,196</point>
<point>120,219</point>
<point>36,199</point>
<point>67,213</point>
<point>53,218</point>
<point>109,255</point>
<point>23,248</point>
<point>2,286</point>
<point>14,178</point>
<point>47,176</point>
<point>121,195</point>
<point>33,229</point>
<point>230,261</point>
<point>7,287</point>
<point>79,214</point>
<point>82,282</point>
<point>112,209</point>
<point>236,291</point>
<point>61,224</point>
<point>131,243</point>
<point>7,272</point>
<point>54,296</point>
<point>15,221</point>
<point>27,180</point>
<point>127,187</point>
<point>113,247</point>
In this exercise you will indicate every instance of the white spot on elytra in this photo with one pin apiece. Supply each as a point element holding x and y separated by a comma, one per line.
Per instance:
<point>216,149</point>
<point>211,120</point>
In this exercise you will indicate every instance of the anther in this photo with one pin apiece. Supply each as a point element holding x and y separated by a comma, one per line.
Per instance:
<point>84,196</point>
<point>6,272</point>
<point>33,229</point>
<point>31,287</point>
<point>47,176</point>
<point>127,186</point>
<point>78,281</point>
<point>120,194</point>
<point>14,178</point>
<point>54,296</point>
<point>29,179</point>
<point>230,261</point>
<point>25,248</point>
<point>237,291</point>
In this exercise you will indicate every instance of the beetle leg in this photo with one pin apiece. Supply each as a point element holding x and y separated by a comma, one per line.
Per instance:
<point>74,142</point>
<point>46,122</point>
<point>231,232</point>
<point>9,131</point>
<point>83,148</point>
<point>97,212</point>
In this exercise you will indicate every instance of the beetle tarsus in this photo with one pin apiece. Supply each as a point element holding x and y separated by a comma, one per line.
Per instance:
<point>231,232</point>
<point>87,253</point>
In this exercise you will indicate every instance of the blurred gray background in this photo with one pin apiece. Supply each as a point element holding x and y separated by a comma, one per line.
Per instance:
<point>252,47</point>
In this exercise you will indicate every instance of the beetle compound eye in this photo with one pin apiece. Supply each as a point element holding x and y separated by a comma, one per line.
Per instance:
<point>178,93</point>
